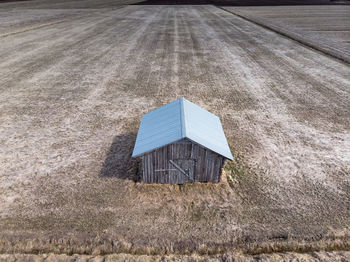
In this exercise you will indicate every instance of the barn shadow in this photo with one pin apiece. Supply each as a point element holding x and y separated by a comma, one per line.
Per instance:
<point>119,163</point>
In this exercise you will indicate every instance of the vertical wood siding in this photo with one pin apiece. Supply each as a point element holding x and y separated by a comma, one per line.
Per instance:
<point>156,167</point>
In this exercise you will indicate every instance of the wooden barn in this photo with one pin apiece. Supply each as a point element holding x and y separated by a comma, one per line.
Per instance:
<point>179,143</point>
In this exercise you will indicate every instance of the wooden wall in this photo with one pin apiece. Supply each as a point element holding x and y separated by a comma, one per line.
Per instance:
<point>207,164</point>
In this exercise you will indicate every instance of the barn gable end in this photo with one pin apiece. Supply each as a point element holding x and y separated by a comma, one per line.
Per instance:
<point>200,164</point>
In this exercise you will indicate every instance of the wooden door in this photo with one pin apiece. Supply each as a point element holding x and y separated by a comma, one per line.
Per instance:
<point>183,170</point>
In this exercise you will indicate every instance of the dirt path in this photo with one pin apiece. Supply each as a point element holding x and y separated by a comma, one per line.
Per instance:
<point>72,95</point>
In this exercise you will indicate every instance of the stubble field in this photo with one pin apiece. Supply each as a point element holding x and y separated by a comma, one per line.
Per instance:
<point>75,81</point>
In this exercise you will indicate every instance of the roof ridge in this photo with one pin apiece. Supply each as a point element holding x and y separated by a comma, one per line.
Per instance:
<point>183,117</point>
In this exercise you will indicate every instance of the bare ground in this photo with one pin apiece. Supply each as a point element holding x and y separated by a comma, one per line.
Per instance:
<point>72,94</point>
<point>324,28</point>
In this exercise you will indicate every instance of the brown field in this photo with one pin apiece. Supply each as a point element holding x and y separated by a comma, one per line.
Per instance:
<point>323,28</point>
<point>75,79</point>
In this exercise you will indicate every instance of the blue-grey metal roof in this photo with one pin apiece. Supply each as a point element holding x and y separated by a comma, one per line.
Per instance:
<point>177,120</point>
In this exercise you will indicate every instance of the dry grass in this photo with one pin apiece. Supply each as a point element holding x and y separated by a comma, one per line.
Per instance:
<point>315,256</point>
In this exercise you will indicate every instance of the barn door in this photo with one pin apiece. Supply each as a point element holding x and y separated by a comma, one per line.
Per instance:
<point>184,168</point>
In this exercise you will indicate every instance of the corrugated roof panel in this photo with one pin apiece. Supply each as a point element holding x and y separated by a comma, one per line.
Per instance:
<point>205,129</point>
<point>159,127</point>
<point>177,120</point>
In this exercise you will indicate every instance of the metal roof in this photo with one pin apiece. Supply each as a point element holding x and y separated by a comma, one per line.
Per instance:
<point>177,120</point>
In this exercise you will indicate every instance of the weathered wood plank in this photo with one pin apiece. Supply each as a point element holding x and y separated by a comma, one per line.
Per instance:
<point>206,164</point>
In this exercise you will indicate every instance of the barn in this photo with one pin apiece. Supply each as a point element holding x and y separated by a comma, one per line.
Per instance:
<point>179,143</point>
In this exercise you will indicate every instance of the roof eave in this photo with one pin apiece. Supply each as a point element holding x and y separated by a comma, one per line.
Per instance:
<point>146,152</point>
